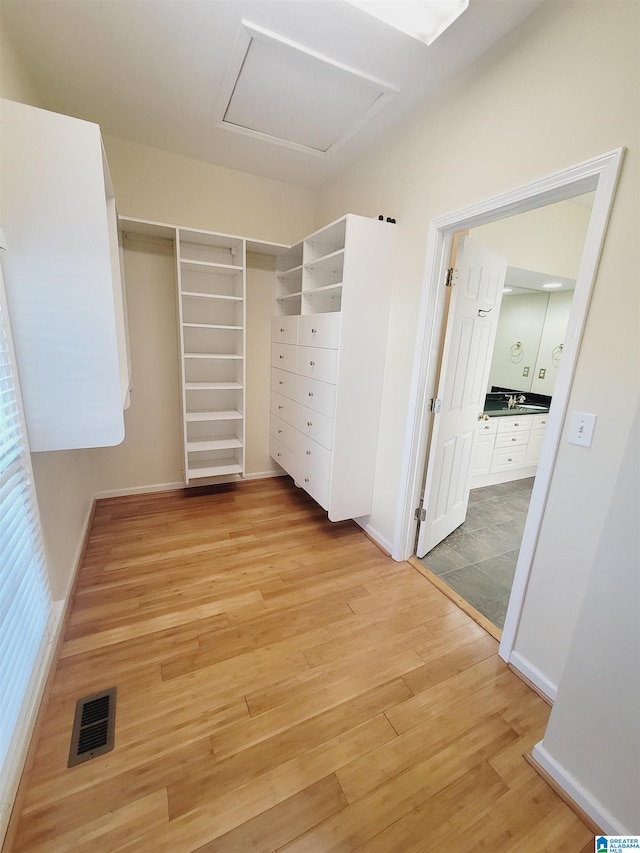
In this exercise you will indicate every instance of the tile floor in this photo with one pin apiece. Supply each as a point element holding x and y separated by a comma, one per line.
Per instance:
<point>479,559</point>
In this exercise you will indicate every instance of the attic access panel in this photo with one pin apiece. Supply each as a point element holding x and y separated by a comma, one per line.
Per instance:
<point>287,94</point>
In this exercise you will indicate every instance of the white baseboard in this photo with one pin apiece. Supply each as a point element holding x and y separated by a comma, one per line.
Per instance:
<point>534,675</point>
<point>575,791</point>
<point>382,541</point>
<point>264,475</point>
<point>138,490</point>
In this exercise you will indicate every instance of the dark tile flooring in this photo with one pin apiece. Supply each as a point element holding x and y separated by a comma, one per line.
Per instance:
<point>478,559</point>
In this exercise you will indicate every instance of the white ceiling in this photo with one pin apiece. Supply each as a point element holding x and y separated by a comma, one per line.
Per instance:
<point>162,72</point>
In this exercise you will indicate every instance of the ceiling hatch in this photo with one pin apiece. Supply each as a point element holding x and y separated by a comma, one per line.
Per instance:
<point>287,94</point>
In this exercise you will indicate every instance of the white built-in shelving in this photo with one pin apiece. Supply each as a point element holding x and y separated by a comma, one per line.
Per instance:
<point>211,316</point>
<point>328,354</point>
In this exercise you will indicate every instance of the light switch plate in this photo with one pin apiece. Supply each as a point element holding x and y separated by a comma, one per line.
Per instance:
<point>581,428</point>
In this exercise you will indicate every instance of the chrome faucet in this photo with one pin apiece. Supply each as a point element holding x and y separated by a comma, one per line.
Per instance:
<point>513,402</point>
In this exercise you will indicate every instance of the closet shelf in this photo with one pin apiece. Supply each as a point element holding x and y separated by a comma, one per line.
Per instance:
<point>218,355</point>
<point>212,326</point>
<point>209,266</point>
<point>198,294</point>
<point>227,442</point>
<point>213,386</point>
<point>227,415</point>
<point>219,468</point>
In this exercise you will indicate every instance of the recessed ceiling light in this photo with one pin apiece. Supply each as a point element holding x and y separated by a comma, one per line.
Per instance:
<point>507,290</point>
<point>422,19</point>
<point>552,285</point>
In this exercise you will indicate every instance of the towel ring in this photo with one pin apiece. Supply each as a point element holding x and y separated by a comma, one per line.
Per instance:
<point>556,352</point>
<point>516,353</point>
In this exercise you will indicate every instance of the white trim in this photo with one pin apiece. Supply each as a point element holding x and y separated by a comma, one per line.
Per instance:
<point>600,173</point>
<point>264,475</point>
<point>139,490</point>
<point>534,675</point>
<point>579,795</point>
<point>374,534</point>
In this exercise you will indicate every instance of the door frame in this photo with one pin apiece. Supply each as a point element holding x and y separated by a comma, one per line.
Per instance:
<point>599,174</point>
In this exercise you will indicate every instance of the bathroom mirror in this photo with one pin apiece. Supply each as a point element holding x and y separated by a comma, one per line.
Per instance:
<point>531,332</point>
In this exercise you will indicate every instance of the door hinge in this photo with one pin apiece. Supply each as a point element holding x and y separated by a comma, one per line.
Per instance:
<point>435,405</point>
<point>452,277</point>
<point>420,514</point>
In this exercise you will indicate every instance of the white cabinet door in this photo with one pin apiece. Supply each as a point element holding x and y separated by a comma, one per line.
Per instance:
<point>62,277</point>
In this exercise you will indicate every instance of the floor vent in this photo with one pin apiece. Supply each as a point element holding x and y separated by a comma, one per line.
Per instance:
<point>93,726</point>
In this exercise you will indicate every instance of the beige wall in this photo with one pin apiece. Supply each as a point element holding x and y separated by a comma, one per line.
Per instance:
<point>560,89</point>
<point>166,187</point>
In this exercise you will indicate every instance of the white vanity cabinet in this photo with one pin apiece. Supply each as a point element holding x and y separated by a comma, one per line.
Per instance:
<point>328,354</point>
<point>63,279</point>
<point>507,448</point>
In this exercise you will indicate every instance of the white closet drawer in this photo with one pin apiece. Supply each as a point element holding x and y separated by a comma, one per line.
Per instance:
<point>488,427</point>
<point>317,363</point>
<point>515,424</point>
<point>320,396</point>
<point>319,330</point>
<point>284,356</point>
<point>509,439</point>
<point>282,407</point>
<point>282,455</point>
<point>283,432</point>
<point>317,395</point>
<point>313,456</point>
<point>505,460</point>
<point>284,330</point>
<point>310,423</point>
<point>317,487</point>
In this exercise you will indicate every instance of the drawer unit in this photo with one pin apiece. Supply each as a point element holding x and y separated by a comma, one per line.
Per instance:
<point>318,363</point>
<point>488,427</point>
<point>507,459</point>
<point>509,439</point>
<point>540,421</point>
<point>284,356</point>
<point>514,424</point>
<point>328,358</point>
<point>319,330</point>
<point>284,330</point>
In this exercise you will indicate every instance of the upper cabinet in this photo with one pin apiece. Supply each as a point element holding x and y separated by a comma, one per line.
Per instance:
<point>63,279</point>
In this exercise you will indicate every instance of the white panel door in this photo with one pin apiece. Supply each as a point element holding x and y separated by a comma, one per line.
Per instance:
<point>468,347</point>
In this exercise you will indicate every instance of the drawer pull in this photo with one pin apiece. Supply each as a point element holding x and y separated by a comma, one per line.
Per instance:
<point>516,424</point>
<point>281,356</point>
<point>487,427</point>
<point>313,331</point>
<point>281,407</point>
<point>309,423</point>
<point>514,439</point>
<point>312,363</point>
<point>308,452</point>
<point>306,479</point>
<point>282,330</point>
<point>280,381</point>
<point>509,459</point>
<point>279,432</point>
<point>278,454</point>
<point>310,394</point>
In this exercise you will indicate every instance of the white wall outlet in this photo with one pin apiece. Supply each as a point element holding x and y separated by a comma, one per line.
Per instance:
<point>581,429</point>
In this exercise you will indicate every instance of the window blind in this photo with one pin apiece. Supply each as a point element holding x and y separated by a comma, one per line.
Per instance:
<point>25,597</point>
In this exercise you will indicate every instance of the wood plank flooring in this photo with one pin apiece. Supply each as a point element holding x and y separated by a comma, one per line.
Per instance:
<point>282,686</point>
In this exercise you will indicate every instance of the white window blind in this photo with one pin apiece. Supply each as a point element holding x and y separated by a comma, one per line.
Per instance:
<point>25,598</point>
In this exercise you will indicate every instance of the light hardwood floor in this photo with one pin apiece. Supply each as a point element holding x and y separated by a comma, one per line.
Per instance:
<point>282,685</point>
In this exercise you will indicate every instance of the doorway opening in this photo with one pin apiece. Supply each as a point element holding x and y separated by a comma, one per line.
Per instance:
<point>598,175</point>
<point>537,259</point>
